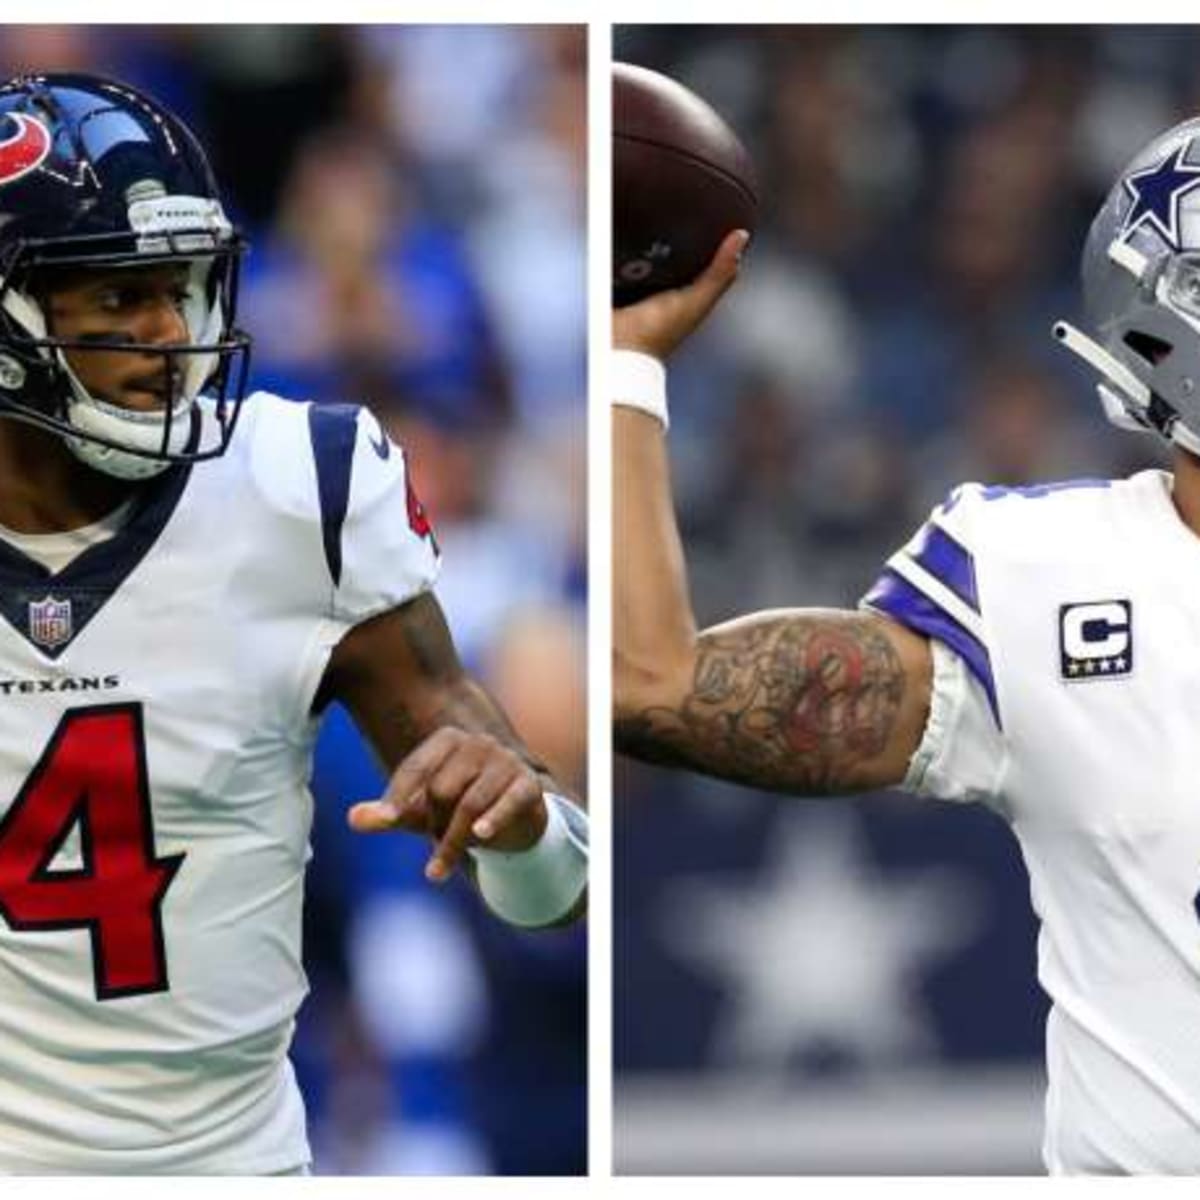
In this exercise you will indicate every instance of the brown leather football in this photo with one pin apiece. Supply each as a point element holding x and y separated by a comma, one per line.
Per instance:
<point>681,182</point>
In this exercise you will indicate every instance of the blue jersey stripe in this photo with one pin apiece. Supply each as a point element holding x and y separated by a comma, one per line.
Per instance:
<point>900,600</point>
<point>333,429</point>
<point>949,563</point>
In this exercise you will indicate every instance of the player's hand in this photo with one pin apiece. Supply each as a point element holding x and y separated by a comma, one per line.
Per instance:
<point>659,323</point>
<point>462,789</point>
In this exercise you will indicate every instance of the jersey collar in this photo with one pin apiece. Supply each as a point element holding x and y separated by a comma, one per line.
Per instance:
<point>50,609</point>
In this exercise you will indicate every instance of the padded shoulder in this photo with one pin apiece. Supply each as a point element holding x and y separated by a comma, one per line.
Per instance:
<point>296,450</point>
<point>1061,520</point>
<point>333,465</point>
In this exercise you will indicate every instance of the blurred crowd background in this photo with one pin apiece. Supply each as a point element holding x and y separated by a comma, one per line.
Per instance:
<point>415,201</point>
<point>849,985</point>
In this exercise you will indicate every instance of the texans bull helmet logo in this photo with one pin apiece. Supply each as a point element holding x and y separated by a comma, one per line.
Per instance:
<point>24,144</point>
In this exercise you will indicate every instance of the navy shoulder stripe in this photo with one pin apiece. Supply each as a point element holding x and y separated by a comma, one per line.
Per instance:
<point>906,604</point>
<point>950,563</point>
<point>333,429</point>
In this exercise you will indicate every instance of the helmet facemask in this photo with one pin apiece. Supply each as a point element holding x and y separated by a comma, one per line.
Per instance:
<point>39,386</point>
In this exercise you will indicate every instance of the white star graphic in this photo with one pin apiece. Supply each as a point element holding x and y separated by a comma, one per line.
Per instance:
<point>820,951</point>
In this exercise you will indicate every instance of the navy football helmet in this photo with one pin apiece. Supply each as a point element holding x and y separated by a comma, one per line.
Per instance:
<point>1141,291</point>
<point>94,174</point>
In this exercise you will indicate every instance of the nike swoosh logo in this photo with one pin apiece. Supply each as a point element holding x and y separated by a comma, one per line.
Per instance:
<point>382,447</point>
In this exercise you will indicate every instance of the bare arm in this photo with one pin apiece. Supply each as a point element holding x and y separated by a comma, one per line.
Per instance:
<point>805,701</point>
<point>808,701</point>
<point>400,676</point>
<point>459,772</point>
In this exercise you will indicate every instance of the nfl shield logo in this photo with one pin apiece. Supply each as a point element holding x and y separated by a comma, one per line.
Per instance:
<point>50,622</point>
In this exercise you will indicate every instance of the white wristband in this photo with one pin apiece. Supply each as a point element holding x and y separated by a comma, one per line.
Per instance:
<point>640,381</point>
<point>539,885</point>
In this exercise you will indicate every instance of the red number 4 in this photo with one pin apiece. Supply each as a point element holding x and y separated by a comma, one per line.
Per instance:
<point>92,774</point>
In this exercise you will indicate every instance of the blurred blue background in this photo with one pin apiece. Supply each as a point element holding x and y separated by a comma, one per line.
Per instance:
<point>415,201</point>
<point>848,986</point>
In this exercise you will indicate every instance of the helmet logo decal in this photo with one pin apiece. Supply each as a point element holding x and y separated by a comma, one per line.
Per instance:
<point>1156,193</point>
<point>25,149</point>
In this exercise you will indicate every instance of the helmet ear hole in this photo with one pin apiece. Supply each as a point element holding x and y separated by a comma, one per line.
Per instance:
<point>1147,347</point>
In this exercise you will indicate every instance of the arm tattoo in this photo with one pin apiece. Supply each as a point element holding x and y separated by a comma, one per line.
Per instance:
<point>795,703</point>
<point>438,692</point>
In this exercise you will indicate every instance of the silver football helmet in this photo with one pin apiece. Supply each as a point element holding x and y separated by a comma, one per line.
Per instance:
<point>1141,292</point>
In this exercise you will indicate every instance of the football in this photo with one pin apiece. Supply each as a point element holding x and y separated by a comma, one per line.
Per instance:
<point>681,181</point>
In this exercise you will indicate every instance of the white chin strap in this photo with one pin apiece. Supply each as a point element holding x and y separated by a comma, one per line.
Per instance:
<point>135,430</point>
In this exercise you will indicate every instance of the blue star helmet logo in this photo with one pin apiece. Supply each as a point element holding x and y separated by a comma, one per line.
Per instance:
<point>1156,193</point>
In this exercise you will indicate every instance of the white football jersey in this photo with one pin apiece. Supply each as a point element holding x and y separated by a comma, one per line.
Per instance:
<point>1066,626</point>
<point>154,811</point>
